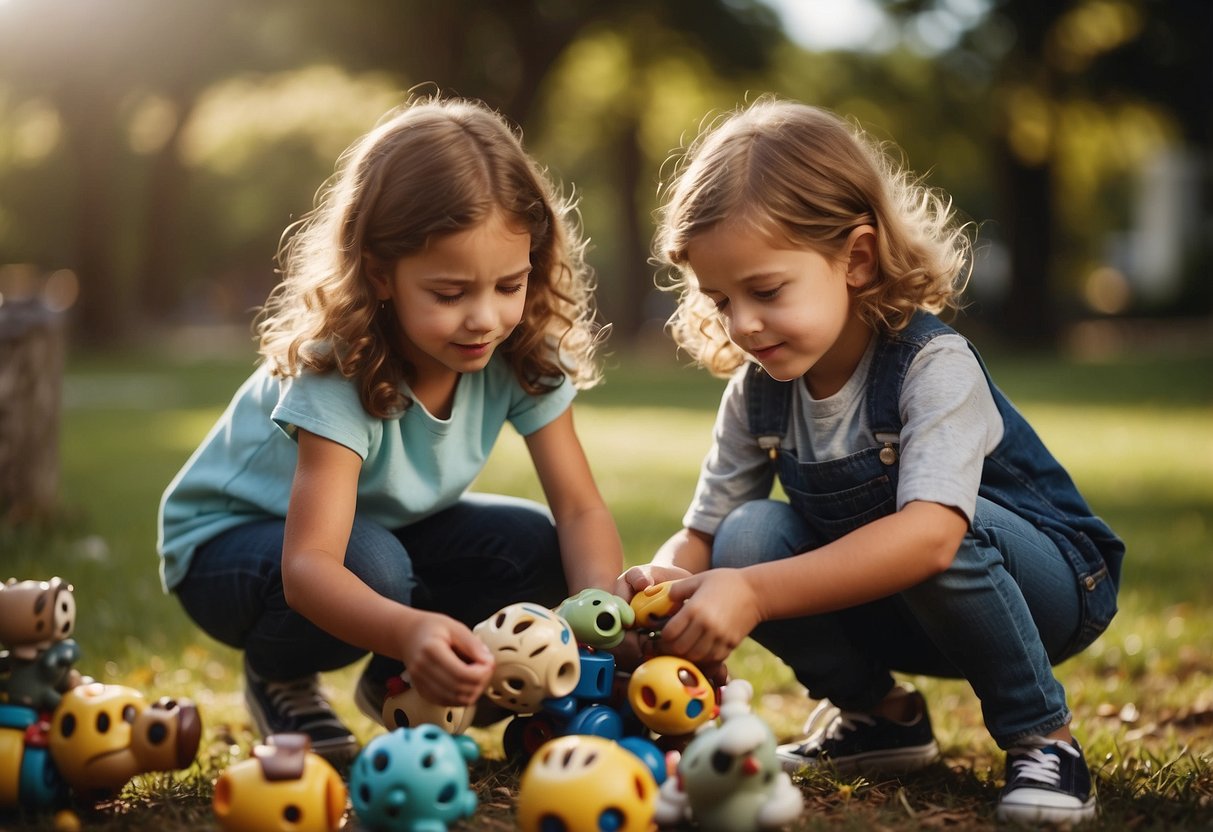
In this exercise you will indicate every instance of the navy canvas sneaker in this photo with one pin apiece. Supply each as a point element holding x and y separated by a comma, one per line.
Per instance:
<point>297,706</point>
<point>1047,782</point>
<point>857,743</point>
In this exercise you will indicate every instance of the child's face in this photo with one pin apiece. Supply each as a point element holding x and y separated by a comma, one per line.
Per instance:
<point>787,307</point>
<point>461,297</point>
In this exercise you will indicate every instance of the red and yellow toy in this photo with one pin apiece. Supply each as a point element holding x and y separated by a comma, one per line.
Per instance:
<point>283,787</point>
<point>671,696</point>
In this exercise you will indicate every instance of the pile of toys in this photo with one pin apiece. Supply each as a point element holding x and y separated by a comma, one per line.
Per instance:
<point>65,738</point>
<point>602,748</point>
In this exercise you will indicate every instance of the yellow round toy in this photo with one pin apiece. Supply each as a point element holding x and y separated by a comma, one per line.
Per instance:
<point>671,696</point>
<point>284,787</point>
<point>653,606</point>
<point>581,783</point>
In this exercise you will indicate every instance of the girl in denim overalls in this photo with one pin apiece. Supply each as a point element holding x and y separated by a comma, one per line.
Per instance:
<point>927,529</point>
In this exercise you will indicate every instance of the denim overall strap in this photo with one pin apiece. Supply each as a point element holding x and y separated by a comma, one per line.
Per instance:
<point>768,406</point>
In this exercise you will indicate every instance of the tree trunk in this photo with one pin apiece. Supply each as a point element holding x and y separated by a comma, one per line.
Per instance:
<point>31,373</point>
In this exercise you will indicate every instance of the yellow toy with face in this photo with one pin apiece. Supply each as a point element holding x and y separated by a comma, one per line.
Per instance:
<point>405,707</point>
<point>653,606</point>
<point>581,783</point>
<point>284,787</point>
<point>103,735</point>
<point>671,696</point>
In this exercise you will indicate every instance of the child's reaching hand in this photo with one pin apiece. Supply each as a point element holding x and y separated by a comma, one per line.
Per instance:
<point>638,577</point>
<point>448,664</point>
<point>719,609</point>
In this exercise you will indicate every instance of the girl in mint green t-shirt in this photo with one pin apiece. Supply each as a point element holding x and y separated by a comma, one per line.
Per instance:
<point>436,293</point>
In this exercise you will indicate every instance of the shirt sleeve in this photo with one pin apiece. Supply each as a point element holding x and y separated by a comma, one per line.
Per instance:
<point>950,423</point>
<point>529,413</point>
<point>735,470</point>
<point>326,404</point>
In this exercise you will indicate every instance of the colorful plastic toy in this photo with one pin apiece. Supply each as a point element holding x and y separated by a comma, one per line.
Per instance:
<point>34,615</point>
<point>653,606</point>
<point>671,696</point>
<point>38,683</point>
<point>405,707</point>
<point>598,618</point>
<point>413,780</point>
<point>283,787</point>
<point>729,779</point>
<point>103,735</point>
<point>28,777</point>
<point>535,653</point>
<point>586,784</point>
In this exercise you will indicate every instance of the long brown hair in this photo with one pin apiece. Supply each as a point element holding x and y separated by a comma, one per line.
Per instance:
<point>432,167</point>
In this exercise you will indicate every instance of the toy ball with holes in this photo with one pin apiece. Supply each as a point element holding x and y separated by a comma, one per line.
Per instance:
<point>405,707</point>
<point>535,655</point>
<point>671,696</point>
<point>581,783</point>
<point>729,779</point>
<point>283,787</point>
<point>413,780</point>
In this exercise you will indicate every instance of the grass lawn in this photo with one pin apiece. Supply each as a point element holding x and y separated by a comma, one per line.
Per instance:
<point>1135,432</point>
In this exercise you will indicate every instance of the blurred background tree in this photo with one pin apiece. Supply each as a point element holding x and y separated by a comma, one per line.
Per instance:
<point>156,149</point>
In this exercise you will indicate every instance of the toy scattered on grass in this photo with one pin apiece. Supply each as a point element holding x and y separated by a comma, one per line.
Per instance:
<point>653,606</point>
<point>671,696</point>
<point>37,619</point>
<point>729,779</point>
<point>413,780</point>
<point>28,777</point>
<point>103,735</point>
<point>535,656</point>
<point>35,614</point>
<point>598,618</point>
<point>586,784</point>
<point>405,707</point>
<point>283,787</point>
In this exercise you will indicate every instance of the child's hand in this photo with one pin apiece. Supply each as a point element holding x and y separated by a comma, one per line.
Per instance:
<point>448,664</point>
<point>638,577</point>
<point>718,611</point>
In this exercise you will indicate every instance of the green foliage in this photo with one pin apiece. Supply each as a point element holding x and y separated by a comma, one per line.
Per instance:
<point>1133,432</point>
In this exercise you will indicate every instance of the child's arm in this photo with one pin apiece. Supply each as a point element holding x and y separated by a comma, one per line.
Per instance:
<point>317,584</point>
<point>590,548</point>
<point>888,555</point>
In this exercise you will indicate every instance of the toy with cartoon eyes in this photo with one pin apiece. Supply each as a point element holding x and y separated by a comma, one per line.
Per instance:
<point>598,618</point>
<point>671,696</point>
<point>283,787</point>
<point>103,735</point>
<point>405,707</point>
<point>585,784</point>
<point>729,779</point>
<point>34,615</point>
<point>653,606</point>
<point>534,653</point>
<point>413,780</point>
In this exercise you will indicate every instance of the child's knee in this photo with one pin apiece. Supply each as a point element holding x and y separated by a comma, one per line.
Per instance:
<point>755,532</point>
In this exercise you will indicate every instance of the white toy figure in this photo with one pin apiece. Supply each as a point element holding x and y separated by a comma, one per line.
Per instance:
<point>729,779</point>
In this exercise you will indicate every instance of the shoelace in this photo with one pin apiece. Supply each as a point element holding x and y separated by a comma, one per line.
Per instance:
<point>298,697</point>
<point>1033,762</point>
<point>829,722</point>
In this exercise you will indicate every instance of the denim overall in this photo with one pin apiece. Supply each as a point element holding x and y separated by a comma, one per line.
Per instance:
<point>1034,582</point>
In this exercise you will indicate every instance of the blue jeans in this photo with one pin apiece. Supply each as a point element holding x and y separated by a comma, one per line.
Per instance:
<point>467,561</point>
<point>1000,616</point>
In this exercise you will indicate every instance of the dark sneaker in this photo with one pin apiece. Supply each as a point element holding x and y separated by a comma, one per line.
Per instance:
<point>1047,782</point>
<point>856,743</point>
<point>369,696</point>
<point>297,706</point>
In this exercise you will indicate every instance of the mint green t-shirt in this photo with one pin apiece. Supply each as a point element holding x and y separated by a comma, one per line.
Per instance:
<point>413,465</point>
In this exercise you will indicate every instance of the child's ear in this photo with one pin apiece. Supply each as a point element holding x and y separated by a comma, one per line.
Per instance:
<point>380,275</point>
<point>863,259</point>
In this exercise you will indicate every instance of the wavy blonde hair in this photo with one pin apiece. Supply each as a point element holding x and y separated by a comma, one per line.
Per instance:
<point>802,175</point>
<point>432,167</point>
